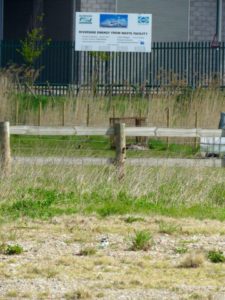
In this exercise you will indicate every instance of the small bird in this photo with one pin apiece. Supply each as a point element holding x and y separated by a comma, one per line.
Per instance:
<point>104,243</point>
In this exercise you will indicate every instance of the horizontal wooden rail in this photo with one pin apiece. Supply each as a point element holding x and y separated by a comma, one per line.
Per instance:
<point>119,131</point>
<point>129,131</point>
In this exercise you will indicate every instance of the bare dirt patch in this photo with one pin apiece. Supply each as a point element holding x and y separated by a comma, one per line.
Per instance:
<point>67,258</point>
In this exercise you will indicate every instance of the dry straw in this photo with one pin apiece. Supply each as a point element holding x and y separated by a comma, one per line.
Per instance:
<point>183,104</point>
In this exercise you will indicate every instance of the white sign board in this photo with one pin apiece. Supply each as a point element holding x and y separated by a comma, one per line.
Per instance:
<point>113,32</point>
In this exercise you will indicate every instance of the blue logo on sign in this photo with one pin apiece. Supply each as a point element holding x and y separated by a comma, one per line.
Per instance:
<point>85,19</point>
<point>143,20</point>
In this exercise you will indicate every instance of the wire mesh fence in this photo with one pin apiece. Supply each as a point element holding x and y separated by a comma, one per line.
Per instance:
<point>101,147</point>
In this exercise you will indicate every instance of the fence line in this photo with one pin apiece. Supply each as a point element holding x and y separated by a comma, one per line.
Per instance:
<point>129,131</point>
<point>119,131</point>
<point>170,64</point>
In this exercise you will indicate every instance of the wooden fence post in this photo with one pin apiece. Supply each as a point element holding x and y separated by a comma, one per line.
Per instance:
<point>39,113</point>
<point>120,148</point>
<point>167,123</point>
<point>88,115</point>
<point>196,126</point>
<point>63,113</point>
<point>17,111</point>
<point>114,111</point>
<point>5,148</point>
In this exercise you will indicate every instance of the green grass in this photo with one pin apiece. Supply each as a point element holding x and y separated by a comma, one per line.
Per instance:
<point>48,191</point>
<point>168,228</point>
<point>61,146</point>
<point>44,204</point>
<point>31,102</point>
<point>93,146</point>
<point>142,240</point>
<point>181,250</point>
<point>160,148</point>
<point>133,219</point>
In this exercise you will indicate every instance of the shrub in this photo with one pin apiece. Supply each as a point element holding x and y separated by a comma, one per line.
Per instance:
<point>216,256</point>
<point>141,241</point>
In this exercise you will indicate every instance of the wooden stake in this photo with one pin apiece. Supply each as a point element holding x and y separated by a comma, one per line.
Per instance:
<point>110,92</point>
<point>63,114</point>
<point>167,123</point>
<point>114,112</point>
<point>88,115</point>
<point>39,113</point>
<point>5,148</point>
<point>130,93</point>
<point>196,126</point>
<point>120,149</point>
<point>17,112</point>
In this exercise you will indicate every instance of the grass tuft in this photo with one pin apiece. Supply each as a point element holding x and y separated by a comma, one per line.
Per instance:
<point>88,251</point>
<point>181,250</point>
<point>216,256</point>
<point>78,294</point>
<point>142,240</point>
<point>132,219</point>
<point>169,228</point>
<point>192,260</point>
<point>11,249</point>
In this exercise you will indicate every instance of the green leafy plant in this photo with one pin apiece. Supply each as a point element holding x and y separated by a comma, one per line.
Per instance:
<point>34,44</point>
<point>142,240</point>
<point>216,256</point>
<point>11,249</point>
<point>32,47</point>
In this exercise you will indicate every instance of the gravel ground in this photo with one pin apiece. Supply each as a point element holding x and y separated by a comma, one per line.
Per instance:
<point>54,264</point>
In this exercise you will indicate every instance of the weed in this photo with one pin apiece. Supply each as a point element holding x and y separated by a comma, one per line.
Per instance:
<point>168,228</point>
<point>192,260</point>
<point>181,250</point>
<point>43,295</point>
<point>12,294</point>
<point>217,194</point>
<point>142,240</point>
<point>78,294</point>
<point>11,249</point>
<point>132,219</point>
<point>216,256</point>
<point>87,251</point>
<point>100,295</point>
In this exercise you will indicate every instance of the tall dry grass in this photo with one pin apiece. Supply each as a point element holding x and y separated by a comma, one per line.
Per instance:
<point>206,103</point>
<point>183,104</point>
<point>174,185</point>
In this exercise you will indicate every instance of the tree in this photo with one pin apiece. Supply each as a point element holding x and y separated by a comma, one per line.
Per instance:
<point>32,47</point>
